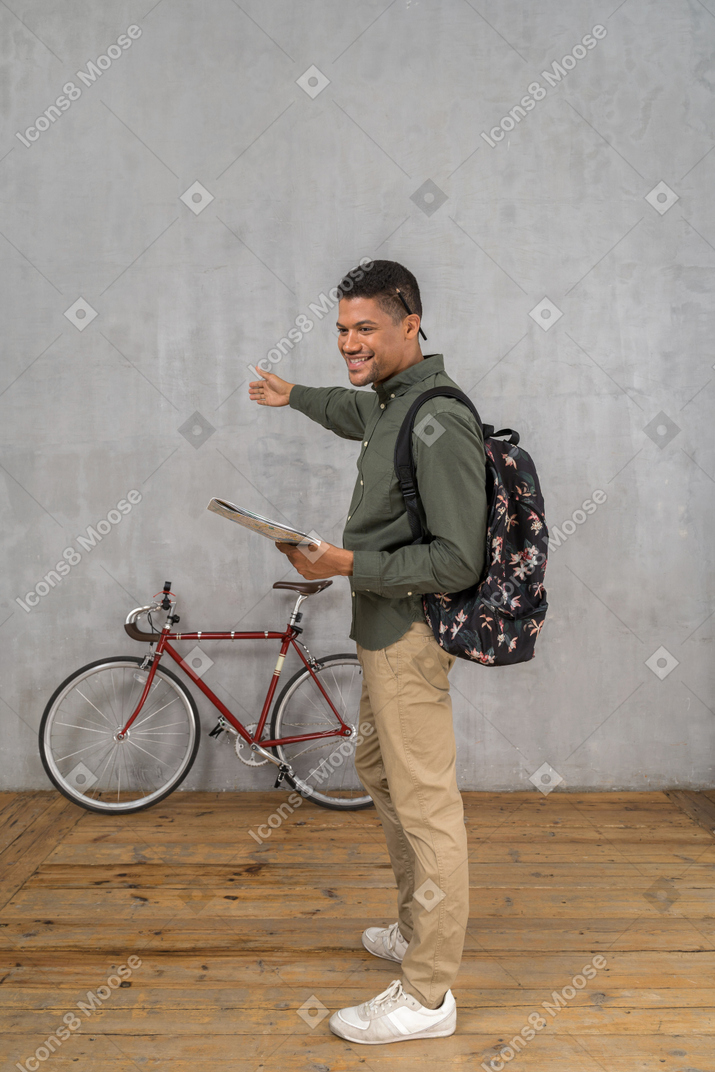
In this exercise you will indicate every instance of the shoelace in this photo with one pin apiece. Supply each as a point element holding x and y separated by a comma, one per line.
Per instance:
<point>392,934</point>
<point>393,993</point>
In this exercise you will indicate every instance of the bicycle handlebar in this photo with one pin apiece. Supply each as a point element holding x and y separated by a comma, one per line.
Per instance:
<point>130,626</point>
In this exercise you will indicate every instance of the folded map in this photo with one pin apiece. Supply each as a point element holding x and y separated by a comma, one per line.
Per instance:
<point>272,530</point>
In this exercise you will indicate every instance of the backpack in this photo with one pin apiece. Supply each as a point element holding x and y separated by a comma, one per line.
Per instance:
<point>497,621</point>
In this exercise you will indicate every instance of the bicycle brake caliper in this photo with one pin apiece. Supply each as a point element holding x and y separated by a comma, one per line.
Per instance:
<point>312,661</point>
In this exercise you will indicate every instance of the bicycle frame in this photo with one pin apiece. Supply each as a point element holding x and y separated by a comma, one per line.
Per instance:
<point>287,638</point>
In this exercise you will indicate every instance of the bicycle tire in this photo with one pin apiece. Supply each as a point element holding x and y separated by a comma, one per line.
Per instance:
<point>71,790</point>
<point>319,751</point>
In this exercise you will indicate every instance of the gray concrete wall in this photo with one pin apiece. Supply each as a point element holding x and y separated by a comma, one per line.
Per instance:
<point>596,201</point>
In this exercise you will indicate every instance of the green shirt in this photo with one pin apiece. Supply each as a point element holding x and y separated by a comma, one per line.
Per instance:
<point>390,573</point>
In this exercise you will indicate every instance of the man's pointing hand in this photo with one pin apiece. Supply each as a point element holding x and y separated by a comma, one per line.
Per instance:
<point>270,391</point>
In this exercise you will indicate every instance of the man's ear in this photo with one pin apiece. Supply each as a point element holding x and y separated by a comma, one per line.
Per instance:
<point>413,325</point>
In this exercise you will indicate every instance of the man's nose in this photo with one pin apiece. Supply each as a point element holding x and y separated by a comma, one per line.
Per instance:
<point>352,344</point>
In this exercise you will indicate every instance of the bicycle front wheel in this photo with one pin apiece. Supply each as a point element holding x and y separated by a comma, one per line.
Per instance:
<point>82,754</point>
<point>324,770</point>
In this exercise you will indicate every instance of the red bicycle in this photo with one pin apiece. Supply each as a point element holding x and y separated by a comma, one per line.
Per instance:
<point>122,733</point>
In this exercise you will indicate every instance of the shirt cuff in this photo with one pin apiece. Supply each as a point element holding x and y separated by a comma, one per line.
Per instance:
<point>365,576</point>
<point>298,396</point>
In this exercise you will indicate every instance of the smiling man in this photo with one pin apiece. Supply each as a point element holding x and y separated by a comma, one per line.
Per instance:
<point>408,765</point>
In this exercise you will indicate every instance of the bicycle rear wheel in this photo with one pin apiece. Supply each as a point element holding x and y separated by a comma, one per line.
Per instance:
<point>324,770</point>
<point>78,736</point>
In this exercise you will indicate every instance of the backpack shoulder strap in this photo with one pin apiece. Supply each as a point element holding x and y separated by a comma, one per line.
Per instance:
<point>404,458</point>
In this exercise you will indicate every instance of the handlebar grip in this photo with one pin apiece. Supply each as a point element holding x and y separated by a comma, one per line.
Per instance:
<point>130,628</point>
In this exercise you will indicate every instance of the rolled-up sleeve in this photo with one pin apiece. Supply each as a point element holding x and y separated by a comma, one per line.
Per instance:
<point>339,409</point>
<point>451,479</point>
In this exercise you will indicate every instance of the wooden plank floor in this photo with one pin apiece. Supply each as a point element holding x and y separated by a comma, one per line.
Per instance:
<point>234,937</point>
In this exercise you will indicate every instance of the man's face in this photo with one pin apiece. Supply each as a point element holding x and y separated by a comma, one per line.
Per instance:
<point>373,345</point>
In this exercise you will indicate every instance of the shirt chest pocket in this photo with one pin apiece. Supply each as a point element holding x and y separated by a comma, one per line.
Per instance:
<point>373,495</point>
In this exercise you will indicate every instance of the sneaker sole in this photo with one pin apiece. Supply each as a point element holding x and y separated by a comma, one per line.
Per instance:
<point>443,1033</point>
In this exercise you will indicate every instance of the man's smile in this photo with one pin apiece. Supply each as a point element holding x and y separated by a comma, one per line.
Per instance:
<point>357,362</point>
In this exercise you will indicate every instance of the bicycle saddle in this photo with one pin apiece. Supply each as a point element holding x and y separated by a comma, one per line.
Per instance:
<point>306,588</point>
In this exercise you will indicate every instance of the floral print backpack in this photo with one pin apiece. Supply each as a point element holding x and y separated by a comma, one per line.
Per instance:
<point>497,621</point>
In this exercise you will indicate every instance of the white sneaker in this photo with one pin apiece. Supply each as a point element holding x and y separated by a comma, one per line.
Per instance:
<point>385,942</point>
<point>394,1016</point>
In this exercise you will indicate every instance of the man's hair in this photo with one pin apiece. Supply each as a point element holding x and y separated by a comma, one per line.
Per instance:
<point>381,281</point>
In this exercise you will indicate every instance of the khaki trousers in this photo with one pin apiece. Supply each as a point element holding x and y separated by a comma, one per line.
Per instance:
<point>408,765</point>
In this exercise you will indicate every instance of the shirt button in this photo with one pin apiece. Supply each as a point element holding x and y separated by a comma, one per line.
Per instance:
<point>365,443</point>
<point>382,405</point>
<point>361,481</point>
<point>392,396</point>
<point>409,593</point>
<point>349,516</point>
<point>353,595</point>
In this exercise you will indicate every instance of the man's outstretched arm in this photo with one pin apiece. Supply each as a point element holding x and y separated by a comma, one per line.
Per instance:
<point>273,391</point>
<point>341,410</point>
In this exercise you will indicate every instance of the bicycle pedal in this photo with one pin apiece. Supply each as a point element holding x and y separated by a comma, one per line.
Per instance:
<point>282,771</point>
<point>217,730</point>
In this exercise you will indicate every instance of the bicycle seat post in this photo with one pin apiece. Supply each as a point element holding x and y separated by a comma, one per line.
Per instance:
<point>296,608</point>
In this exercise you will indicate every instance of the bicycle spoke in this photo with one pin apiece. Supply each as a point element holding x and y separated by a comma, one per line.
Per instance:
<point>95,707</point>
<point>138,777</point>
<point>115,752</point>
<point>84,729</point>
<point>155,712</point>
<point>311,746</point>
<point>108,701</point>
<point>109,756</point>
<point>156,759</point>
<point>87,748</point>
<point>91,722</point>
<point>337,686</point>
<point>153,729</point>
<point>140,774</point>
<point>114,687</point>
<point>326,716</point>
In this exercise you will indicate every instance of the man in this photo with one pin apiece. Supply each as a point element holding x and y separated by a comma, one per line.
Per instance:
<point>408,764</point>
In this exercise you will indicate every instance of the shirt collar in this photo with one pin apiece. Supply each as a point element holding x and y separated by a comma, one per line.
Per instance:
<point>402,381</point>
